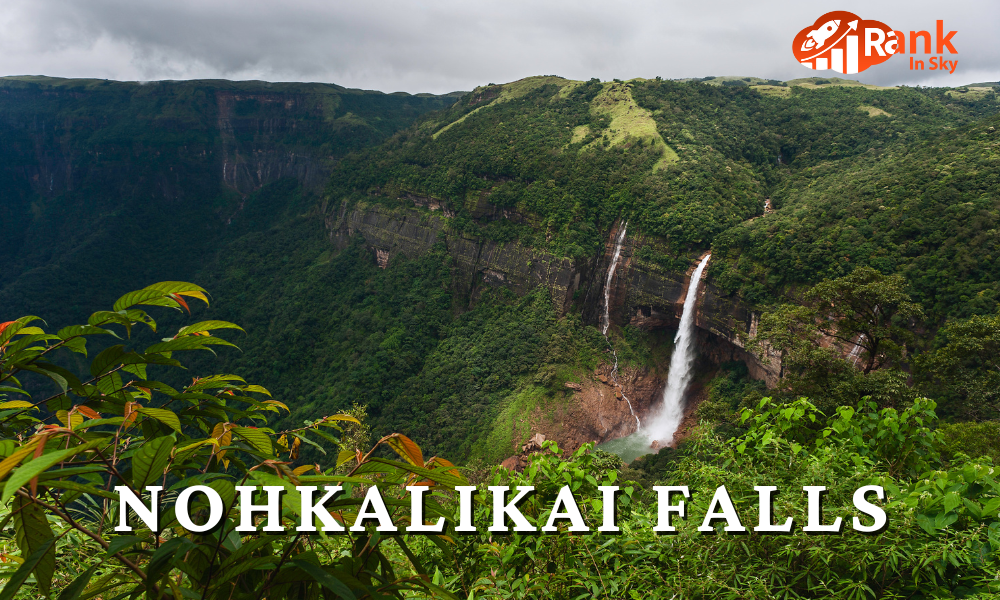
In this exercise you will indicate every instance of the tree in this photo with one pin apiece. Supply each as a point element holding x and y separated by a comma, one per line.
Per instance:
<point>864,316</point>
<point>965,369</point>
<point>121,427</point>
<point>867,309</point>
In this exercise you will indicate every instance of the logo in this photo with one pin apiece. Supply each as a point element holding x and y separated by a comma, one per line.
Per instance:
<point>844,42</point>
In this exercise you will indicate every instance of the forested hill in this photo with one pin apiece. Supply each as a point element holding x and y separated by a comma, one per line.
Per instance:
<point>104,184</point>
<point>688,159</point>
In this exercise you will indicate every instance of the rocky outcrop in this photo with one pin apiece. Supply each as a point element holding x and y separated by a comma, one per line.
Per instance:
<point>643,293</point>
<point>593,410</point>
<point>479,264</point>
<point>253,145</point>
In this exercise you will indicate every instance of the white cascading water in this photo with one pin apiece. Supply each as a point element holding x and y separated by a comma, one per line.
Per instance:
<point>606,317</point>
<point>663,425</point>
<point>856,350</point>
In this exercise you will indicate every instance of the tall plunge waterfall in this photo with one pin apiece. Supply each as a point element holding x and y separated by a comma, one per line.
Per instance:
<point>663,425</point>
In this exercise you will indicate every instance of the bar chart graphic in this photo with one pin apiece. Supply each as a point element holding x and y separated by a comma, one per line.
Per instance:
<point>841,41</point>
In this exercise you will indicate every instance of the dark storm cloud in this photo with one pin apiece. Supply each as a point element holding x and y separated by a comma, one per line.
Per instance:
<point>456,44</point>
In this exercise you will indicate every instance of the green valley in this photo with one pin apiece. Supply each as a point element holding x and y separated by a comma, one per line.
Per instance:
<point>439,266</point>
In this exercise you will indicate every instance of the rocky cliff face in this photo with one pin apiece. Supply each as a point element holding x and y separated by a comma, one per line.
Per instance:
<point>479,263</point>
<point>642,293</point>
<point>86,164</point>
<point>653,296</point>
<point>250,147</point>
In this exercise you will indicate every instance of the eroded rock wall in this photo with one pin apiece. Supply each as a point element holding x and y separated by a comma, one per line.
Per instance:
<point>643,293</point>
<point>479,263</point>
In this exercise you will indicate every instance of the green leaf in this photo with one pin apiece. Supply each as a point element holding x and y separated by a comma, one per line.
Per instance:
<point>991,507</point>
<point>325,579</point>
<point>256,438</point>
<point>164,416</point>
<point>5,389</point>
<point>7,448</point>
<point>15,404</point>
<point>78,330</point>
<point>67,484</point>
<point>973,507</point>
<point>147,297</point>
<point>149,461</point>
<point>207,326</point>
<point>35,540</point>
<point>182,288</point>
<point>943,520</point>
<point>34,563</point>
<point>952,501</point>
<point>27,471</point>
<point>77,344</point>
<point>309,441</point>
<point>75,589</point>
<point>122,542</point>
<point>106,360</point>
<point>195,342</point>
<point>441,475</point>
<point>164,556</point>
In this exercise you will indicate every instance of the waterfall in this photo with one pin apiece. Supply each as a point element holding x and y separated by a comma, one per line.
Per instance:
<point>605,318</point>
<point>856,350</point>
<point>671,412</point>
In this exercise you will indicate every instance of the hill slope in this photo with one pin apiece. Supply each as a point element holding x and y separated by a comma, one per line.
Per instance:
<point>449,276</point>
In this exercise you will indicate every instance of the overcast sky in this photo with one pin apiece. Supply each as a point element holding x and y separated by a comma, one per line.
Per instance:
<point>447,45</point>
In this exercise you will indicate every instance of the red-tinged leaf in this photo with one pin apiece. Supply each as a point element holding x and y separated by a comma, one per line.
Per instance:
<point>405,448</point>
<point>181,301</point>
<point>88,412</point>
<point>131,413</point>
<point>5,325</point>
<point>437,461</point>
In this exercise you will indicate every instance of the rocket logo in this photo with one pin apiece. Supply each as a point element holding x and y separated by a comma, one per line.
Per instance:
<point>845,43</point>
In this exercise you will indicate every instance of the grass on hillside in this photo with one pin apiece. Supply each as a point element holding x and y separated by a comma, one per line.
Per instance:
<point>873,111</point>
<point>629,121</point>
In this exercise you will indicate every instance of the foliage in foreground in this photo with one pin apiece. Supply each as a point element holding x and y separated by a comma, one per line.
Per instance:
<point>120,425</point>
<point>941,540</point>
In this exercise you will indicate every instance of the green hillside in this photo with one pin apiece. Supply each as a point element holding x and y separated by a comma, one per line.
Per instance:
<point>545,164</point>
<point>437,267</point>
<point>88,168</point>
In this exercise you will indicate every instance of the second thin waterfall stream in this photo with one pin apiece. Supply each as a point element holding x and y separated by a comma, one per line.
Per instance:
<point>606,318</point>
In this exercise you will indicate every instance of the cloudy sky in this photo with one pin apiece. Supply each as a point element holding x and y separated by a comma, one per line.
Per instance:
<point>446,45</point>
